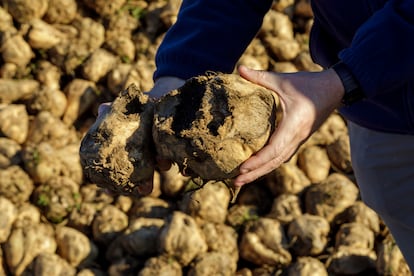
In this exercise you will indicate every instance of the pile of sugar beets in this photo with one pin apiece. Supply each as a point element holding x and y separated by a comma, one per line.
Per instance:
<point>60,59</point>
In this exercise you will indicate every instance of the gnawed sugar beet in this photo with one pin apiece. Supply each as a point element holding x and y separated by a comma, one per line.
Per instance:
<point>209,127</point>
<point>213,123</point>
<point>117,152</point>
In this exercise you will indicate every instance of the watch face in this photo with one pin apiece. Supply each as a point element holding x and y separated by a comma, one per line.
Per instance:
<point>352,96</point>
<point>353,91</point>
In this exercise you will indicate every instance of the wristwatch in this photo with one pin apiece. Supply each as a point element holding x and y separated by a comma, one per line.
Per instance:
<point>353,92</point>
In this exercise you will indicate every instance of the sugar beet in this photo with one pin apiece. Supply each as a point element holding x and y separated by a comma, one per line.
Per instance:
<point>213,123</point>
<point>117,151</point>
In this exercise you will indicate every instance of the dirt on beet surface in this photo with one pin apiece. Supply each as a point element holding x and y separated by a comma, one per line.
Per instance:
<point>213,123</point>
<point>117,152</point>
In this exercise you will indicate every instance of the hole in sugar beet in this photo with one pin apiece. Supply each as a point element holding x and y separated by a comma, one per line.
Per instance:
<point>190,101</point>
<point>219,110</point>
<point>133,107</point>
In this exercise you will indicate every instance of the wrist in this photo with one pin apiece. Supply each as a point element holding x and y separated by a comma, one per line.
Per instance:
<point>333,87</point>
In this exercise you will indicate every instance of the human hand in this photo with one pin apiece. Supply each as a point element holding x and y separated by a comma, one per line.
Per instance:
<point>307,99</point>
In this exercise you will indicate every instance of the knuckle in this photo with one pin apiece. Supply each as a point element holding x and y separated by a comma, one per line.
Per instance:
<point>275,163</point>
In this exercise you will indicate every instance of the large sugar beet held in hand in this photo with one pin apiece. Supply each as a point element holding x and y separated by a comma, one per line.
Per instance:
<point>209,127</point>
<point>213,123</point>
<point>117,152</point>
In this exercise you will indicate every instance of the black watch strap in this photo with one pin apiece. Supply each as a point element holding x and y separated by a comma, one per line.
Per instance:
<point>353,91</point>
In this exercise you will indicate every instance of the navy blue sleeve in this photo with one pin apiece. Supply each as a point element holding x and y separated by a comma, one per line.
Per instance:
<point>209,35</point>
<point>381,55</point>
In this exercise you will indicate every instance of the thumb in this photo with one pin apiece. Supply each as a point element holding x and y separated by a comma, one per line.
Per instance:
<point>262,78</point>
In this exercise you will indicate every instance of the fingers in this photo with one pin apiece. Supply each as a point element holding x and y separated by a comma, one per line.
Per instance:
<point>288,136</point>
<point>270,157</point>
<point>281,147</point>
<point>263,78</point>
<point>260,164</point>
